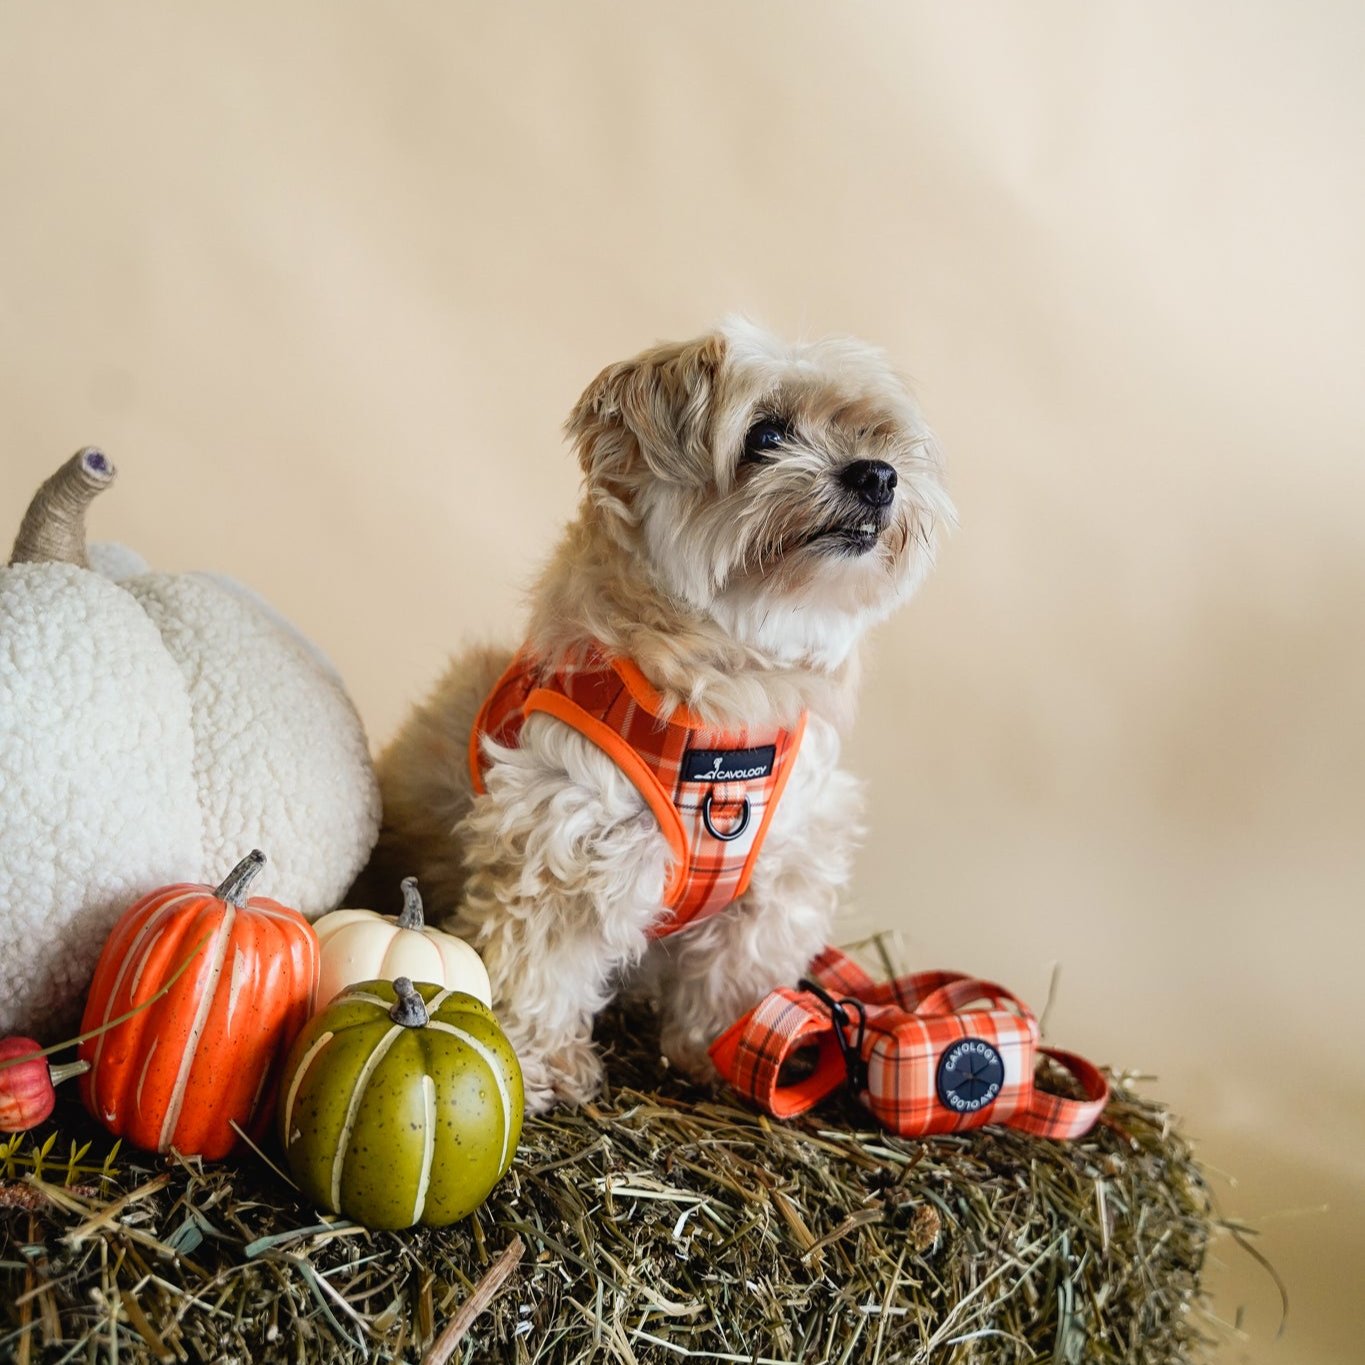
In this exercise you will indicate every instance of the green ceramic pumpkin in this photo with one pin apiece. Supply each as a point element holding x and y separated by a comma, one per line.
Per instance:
<point>400,1104</point>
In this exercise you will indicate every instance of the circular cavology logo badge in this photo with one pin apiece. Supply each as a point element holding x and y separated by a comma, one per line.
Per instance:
<point>970,1074</point>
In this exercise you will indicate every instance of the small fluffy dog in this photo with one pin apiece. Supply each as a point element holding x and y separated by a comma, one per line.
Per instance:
<point>750,508</point>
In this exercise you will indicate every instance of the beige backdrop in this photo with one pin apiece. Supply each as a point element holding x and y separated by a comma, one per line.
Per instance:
<point>324,278</point>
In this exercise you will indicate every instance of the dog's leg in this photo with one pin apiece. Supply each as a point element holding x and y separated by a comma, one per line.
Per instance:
<point>565,875</point>
<point>722,968</point>
<point>708,976</point>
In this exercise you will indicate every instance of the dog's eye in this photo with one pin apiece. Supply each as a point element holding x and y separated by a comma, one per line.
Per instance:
<point>763,438</point>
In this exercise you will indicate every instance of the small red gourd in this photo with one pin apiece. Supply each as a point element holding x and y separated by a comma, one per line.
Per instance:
<point>181,1071</point>
<point>27,1093</point>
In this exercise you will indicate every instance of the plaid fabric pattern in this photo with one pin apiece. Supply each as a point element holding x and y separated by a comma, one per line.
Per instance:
<point>712,791</point>
<point>941,1052</point>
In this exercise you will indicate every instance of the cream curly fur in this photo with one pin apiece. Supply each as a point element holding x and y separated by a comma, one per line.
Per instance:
<point>710,572</point>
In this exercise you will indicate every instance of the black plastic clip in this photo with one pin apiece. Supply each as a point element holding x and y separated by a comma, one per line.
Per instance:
<point>854,1065</point>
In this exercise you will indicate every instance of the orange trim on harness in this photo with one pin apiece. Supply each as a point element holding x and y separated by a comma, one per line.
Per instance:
<point>651,699</point>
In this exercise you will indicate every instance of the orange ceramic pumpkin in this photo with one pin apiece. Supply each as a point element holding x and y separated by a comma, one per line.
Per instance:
<point>179,1072</point>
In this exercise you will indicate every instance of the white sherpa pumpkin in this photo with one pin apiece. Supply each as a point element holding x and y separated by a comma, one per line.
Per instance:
<point>150,729</point>
<point>362,945</point>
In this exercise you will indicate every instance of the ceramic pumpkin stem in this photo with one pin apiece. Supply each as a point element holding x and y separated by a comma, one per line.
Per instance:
<point>411,1009</point>
<point>233,887</point>
<point>53,529</point>
<point>412,917</point>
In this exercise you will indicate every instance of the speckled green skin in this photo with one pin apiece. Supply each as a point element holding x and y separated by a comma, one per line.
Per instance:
<point>378,1179</point>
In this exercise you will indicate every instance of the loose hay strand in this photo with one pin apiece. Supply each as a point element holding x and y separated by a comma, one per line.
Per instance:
<point>659,1224</point>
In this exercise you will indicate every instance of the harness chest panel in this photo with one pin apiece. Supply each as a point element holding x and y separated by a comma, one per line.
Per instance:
<point>712,791</point>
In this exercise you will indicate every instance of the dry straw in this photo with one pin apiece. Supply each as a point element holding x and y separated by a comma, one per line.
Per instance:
<point>660,1224</point>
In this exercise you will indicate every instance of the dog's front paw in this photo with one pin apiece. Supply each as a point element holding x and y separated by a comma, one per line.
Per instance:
<point>576,1073</point>
<point>686,1052</point>
<point>539,1092</point>
<point>569,1075</point>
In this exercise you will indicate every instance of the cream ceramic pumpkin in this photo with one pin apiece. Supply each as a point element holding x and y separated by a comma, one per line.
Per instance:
<point>362,945</point>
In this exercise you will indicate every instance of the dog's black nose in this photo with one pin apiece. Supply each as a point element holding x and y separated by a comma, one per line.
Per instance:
<point>874,481</point>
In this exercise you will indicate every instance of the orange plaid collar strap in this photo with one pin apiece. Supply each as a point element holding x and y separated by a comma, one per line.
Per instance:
<point>712,791</point>
<point>934,1052</point>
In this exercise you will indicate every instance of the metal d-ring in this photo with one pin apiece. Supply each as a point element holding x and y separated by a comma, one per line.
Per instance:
<point>727,835</point>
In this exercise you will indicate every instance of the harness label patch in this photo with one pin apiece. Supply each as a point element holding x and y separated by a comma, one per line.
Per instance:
<point>728,765</point>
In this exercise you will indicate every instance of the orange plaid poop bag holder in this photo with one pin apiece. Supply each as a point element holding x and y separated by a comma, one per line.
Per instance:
<point>933,1052</point>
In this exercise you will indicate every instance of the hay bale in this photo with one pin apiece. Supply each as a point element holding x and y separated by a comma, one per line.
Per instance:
<point>659,1223</point>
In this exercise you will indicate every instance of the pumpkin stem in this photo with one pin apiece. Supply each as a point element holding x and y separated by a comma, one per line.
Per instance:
<point>411,918</point>
<point>411,1009</point>
<point>234,885</point>
<point>53,528</point>
<point>58,1074</point>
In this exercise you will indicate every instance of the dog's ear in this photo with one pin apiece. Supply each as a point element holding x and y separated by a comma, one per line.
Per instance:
<point>649,415</point>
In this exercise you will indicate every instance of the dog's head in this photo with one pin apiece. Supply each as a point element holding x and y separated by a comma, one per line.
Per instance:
<point>791,492</point>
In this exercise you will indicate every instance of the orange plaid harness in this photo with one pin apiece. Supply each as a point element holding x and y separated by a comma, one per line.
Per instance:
<point>912,1051</point>
<point>713,792</point>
